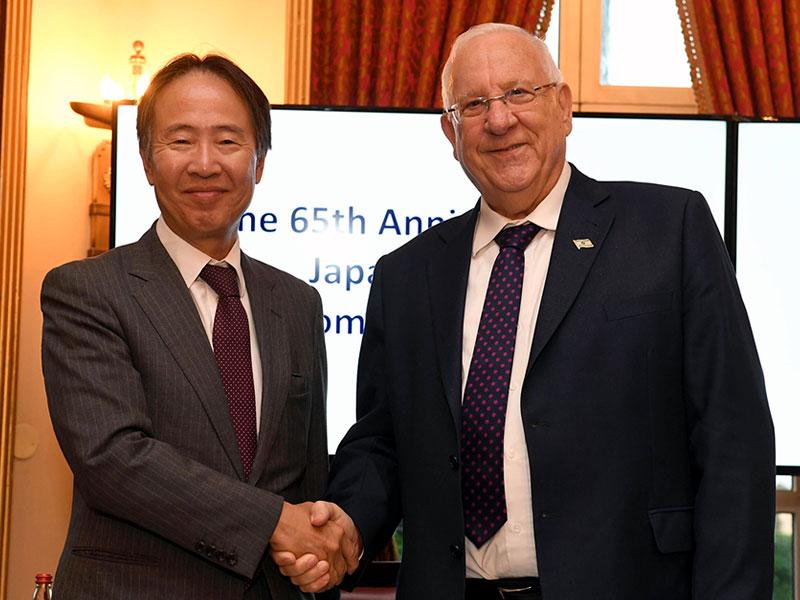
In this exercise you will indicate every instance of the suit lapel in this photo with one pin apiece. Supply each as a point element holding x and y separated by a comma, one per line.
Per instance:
<point>274,348</point>
<point>167,303</point>
<point>447,280</point>
<point>583,216</point>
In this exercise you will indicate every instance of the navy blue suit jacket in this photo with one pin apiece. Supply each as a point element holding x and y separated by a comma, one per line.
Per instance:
<point>648,431</point>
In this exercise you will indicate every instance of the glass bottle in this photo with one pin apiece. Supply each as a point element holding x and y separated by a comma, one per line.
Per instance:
<point>44,587</point>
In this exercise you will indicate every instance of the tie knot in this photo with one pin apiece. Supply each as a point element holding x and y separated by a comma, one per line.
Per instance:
<point>222,280</point>
<point>517,237</point>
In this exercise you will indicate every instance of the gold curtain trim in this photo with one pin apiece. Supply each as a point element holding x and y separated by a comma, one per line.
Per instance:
<point>13,152</point>
<point>694,52</point>
<point>543,24</point>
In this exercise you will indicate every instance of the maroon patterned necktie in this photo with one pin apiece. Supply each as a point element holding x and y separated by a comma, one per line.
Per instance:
<point>483,413</point>
<point>231,341</point>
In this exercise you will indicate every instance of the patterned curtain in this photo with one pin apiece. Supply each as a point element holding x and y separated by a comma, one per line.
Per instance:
<point>390,52</point>
<point>745,55</point>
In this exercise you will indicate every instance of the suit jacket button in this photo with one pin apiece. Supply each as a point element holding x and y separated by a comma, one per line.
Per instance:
<point>455,551</point>
<point>200,547</point>
<point>210,551</point>
<point>454,462</point>
<point>221,555</point>
<point>232,559</point>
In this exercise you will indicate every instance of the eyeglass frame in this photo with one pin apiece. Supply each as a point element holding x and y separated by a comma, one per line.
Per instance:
<point>504,97</point>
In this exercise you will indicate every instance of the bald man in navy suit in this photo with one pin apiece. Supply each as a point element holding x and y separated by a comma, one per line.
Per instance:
<point>637,447</point>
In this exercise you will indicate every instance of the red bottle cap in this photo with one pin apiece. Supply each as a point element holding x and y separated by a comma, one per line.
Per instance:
<point>44,578</point>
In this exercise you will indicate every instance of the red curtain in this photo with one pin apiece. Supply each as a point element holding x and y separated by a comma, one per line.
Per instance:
<point>745,55</point>
<point>390,52</point>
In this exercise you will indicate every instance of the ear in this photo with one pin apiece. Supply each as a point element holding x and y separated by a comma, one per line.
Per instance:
<point>260,168</point>
<point>564,97</point>
<point>147,167</point>
<point>450,132</point>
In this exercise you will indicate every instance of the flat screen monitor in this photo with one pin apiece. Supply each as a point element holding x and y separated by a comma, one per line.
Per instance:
<point>767,222</point>
<point>341,187</point>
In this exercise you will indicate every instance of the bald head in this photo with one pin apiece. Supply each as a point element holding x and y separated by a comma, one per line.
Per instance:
<point>540,53</point>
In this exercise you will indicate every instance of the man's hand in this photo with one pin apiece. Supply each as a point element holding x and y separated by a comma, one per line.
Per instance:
<point>323,566</point>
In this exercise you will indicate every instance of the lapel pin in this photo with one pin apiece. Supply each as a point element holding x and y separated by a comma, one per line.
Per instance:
<point>584,243</point>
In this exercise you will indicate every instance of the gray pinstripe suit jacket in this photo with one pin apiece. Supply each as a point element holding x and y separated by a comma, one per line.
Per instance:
<point>160,507</point>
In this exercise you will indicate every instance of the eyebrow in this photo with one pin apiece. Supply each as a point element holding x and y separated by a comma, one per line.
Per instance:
<point>510,85</point>
<point>178,127</point>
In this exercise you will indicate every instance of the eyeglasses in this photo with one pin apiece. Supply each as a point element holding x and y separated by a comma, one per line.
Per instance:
<point>514,98</point>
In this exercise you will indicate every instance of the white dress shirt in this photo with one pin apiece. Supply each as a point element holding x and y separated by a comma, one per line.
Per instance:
<point>511,552</point>
<point>190,261</point>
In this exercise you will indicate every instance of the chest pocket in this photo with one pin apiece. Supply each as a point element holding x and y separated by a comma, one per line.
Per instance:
<point>639,305</point>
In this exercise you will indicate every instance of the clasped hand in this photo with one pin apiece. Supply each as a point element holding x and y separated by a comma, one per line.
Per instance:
<point>315,544</point>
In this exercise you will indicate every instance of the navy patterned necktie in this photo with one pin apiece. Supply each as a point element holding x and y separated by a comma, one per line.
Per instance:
<point>483,413</point>
<point>231,341</point>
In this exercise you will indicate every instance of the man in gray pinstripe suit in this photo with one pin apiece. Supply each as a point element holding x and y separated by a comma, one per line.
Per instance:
<point>162,505</point>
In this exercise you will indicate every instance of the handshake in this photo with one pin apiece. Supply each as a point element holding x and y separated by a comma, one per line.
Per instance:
<point>315,544</point>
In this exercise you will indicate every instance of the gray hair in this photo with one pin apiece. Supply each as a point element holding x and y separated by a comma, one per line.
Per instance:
<point>483,29</point>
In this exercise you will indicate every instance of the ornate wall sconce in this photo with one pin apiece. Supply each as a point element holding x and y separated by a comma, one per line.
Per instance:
<point>100,116</point>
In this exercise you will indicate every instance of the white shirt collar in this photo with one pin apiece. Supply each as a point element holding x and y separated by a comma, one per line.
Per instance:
<point>189,260</point>
<point>545,215</point>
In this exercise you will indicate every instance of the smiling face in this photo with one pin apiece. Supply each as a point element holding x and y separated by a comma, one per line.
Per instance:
<point>513,155</point>
<point>203,163</point>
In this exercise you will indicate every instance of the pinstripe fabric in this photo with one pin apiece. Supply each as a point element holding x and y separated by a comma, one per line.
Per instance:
<point>139,410</point>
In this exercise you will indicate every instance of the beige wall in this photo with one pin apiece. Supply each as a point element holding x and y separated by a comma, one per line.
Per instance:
<point>73,44</point>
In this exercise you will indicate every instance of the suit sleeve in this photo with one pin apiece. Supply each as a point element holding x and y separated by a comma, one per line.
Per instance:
<point>364,476</point>
<point>731,430</point>
<point>103,421</point>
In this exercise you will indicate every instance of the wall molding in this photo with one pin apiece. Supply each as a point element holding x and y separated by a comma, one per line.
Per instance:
<point>13,155</point>
<point>299,18</point>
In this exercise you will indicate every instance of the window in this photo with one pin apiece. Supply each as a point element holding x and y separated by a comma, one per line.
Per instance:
<point>788,506</point>
<point>642,45</point>
<point>783,588</point>
<point>624,56</point>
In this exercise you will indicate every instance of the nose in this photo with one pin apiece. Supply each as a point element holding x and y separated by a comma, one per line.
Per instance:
<point>499,117</point>
<point>205,161</point>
